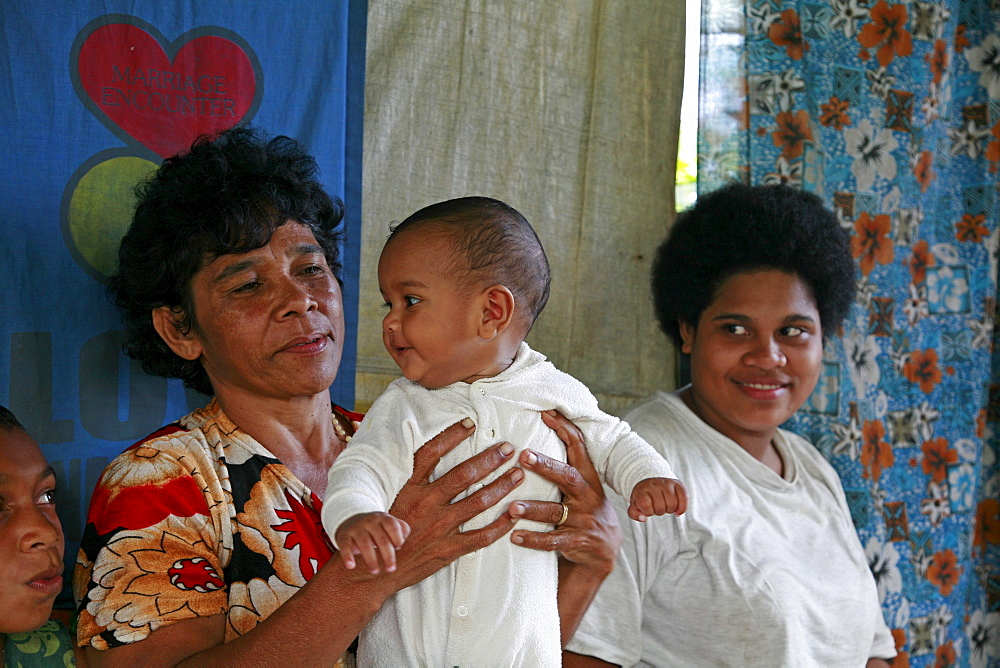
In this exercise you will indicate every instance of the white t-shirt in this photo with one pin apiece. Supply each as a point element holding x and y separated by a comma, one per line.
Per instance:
<point>762,570</point>
<point>496,606</point>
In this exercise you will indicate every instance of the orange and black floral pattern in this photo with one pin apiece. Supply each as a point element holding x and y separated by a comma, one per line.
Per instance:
<point>198,519</point>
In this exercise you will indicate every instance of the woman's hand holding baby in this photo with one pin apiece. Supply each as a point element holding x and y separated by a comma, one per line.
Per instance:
<point>374,536</point>
<point>657,496</point>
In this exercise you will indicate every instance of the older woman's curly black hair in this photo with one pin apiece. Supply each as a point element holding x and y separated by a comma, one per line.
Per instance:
<point>742,228</point>
<point>228,194</point>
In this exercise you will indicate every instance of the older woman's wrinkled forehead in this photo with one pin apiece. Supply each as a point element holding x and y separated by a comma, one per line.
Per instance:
<point>238,230</point>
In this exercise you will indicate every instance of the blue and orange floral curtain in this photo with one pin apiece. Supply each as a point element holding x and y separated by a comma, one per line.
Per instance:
<point>890,111</point>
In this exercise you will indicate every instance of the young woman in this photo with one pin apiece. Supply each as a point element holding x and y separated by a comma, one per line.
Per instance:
<point>765,569</point>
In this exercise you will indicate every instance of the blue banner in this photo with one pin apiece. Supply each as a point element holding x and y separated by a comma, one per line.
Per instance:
<point>94,95</point>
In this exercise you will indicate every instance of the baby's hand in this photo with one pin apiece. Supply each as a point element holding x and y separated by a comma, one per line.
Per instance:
<point>657,496</point>
<point>375,536</point>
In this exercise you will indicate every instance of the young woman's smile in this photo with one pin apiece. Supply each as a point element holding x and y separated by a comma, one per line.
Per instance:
<point>756,354</point>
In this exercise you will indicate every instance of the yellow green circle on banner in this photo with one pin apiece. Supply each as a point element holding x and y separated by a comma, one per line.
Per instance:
<point>101,207</point>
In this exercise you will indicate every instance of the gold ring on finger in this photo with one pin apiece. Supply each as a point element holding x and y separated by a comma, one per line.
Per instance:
<point>565,514</point>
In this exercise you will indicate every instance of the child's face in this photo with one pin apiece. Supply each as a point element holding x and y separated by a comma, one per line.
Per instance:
<point>31,538</point>
<point>433,325</point>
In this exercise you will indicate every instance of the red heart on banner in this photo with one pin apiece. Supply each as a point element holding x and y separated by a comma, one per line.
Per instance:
<point>208,86</point>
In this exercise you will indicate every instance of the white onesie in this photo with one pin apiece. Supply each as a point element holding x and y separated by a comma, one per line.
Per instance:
<point>496,606</point>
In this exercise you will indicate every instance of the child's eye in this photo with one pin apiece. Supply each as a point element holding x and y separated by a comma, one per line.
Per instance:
<point>386,305</point>
<point>410,300</point>
<point>47,497</point>
<point>734,328</point>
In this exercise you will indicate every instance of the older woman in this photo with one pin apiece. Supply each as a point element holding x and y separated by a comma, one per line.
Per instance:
<point>765,569</point>
<point>204,542</point>
<point>31,554</point>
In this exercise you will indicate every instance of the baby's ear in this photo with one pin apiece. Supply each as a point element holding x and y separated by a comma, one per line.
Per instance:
<point>498,311</point>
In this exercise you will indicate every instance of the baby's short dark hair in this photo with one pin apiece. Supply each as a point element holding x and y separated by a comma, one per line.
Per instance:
<point>495,244</point>
<point>741,228</point>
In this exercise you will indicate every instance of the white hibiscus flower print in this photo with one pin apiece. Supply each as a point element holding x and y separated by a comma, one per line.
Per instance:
<point>937,505</point>
<point>848,435</point>
<point>968,138</point>
<point>788,82</point>
<point>982,332</point>
<point>940,621</point>
<point>985,59</point>
<point>883,560</point>
<point>862,361</point>
<point>785,173</point>
<point>915,306</point>
<point>881,82</point>
<point>948,288</point>
<point>760,17</point>
<point>761,88</point>
<point>872,153</point>
<point>924,416</point>
<point>938,99</point>
<point>866,289</point>
<point>983,632</point>
<point>848,15</point>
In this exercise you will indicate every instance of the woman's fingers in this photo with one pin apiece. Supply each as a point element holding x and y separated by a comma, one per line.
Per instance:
<point>476,539</point>
<point>420,499</point>
<point>429,455</point>
<point>548,512</point>
<point>564,476</point>
<point>548,541</point>
<point>576,450</point>
<point>590,536</point>
<point>434,521</point>
<point>465,475</point>
<point>488,496</point>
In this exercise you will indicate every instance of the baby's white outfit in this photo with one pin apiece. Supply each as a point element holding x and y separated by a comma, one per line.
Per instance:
<point>496,606</point>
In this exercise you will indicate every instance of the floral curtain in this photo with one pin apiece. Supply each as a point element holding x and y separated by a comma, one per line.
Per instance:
<point>890,111</point>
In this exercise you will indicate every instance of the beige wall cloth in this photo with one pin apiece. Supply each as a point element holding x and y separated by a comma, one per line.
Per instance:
<point>567,110</point>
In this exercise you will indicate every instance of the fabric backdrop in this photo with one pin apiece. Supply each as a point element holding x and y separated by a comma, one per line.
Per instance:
<point>890,112</point>
<point>92,100</point>
<point>565,109</point>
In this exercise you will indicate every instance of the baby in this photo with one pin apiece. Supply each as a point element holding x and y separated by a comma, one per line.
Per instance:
<point>464,281</point>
